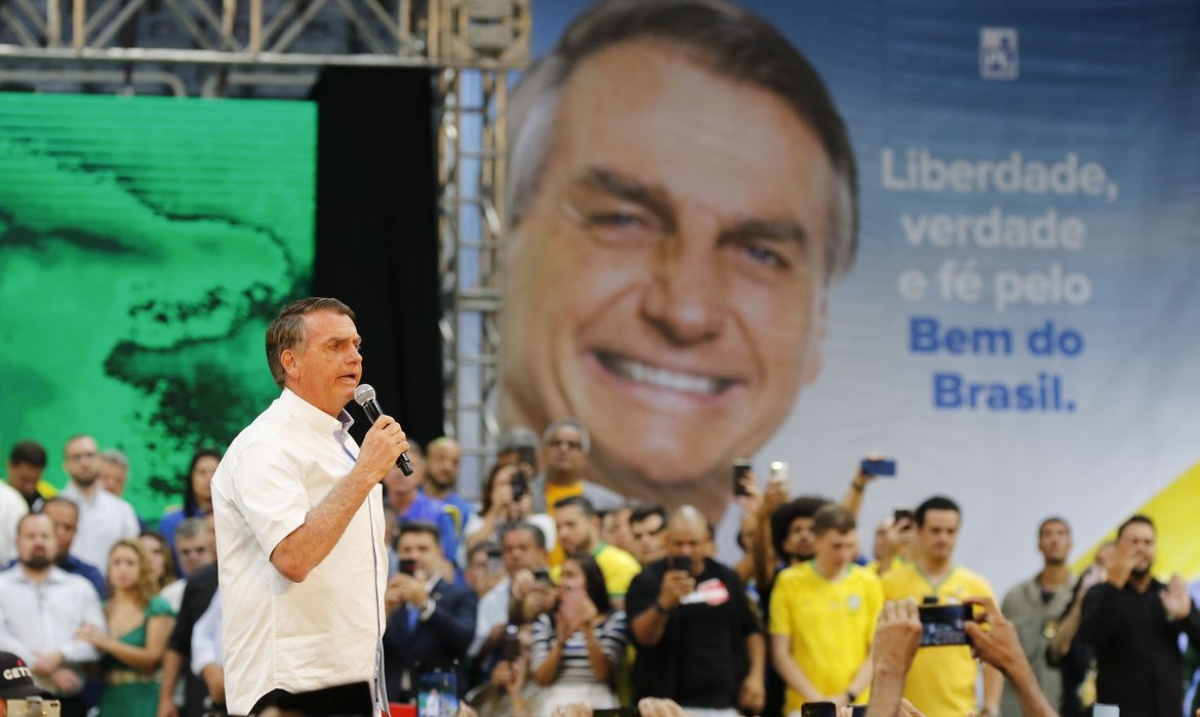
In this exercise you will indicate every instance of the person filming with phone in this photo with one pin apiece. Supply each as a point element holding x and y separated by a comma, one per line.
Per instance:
<point>429,619</point>
<point>698,638</point>
<point>507,499</point>
<point>577,646</point>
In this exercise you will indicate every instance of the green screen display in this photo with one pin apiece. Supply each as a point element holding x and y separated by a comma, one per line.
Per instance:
<point>144,245</point>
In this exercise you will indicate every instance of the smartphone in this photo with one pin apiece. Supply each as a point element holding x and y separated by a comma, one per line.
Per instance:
<point>942,625</point>
<point>779,471</point>
<point>679,562</point>
<point>34,708</point>
<point>408,566</point>
<point>858,710</point>
<point>511,647</point>
<point>520,485</point>
<point>495,561</point>
<point>741,467</point>
<point>882,467</point>
<point>818,709</point>
<point>437,689</point>
<point>617,712</point>
<point>542,575</point>
<point>902,514</point>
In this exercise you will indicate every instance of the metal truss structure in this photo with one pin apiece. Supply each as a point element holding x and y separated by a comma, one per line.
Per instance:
<point>273,48</point>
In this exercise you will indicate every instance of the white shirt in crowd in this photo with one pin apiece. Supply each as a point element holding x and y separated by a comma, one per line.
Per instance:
<point>491,613</point>
<point>44,618</point>
<point>103,520</point>
<point>206,637</point>
<point>12,508</point>
<point>304,636</point>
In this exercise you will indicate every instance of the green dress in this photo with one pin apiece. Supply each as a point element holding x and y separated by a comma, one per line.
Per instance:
<point>129,692</point>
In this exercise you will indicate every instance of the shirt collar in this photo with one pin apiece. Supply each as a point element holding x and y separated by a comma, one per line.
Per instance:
<point>314,417</point>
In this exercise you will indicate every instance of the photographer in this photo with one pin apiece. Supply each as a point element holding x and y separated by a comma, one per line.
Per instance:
<point>506,499</point>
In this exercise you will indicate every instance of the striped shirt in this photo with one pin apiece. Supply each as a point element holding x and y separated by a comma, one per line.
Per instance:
<point>574,668</point>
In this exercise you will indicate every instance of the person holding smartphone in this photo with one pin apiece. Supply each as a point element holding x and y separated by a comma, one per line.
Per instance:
<point>577,646</point>
<point>507,498</point>
<point>429,618</point>
<point>698,637</point>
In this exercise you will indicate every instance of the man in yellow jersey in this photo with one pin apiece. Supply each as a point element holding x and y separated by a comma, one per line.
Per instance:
<point>942,680</point>
<point>823,615</point>
<point>578,529</point>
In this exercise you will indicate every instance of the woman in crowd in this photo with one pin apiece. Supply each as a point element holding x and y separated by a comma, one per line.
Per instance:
<point>577,646</point>
<point>506,499</point>
<point>197,493</point>
<point>139,624</point>
<point>158,553</point>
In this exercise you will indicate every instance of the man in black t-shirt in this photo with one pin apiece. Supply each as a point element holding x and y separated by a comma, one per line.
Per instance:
<point>699,641</point>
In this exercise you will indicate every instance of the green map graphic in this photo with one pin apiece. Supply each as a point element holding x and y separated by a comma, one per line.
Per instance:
<point>144,245</point>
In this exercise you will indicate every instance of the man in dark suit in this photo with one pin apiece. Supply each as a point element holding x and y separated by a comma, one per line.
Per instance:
<point>429,619</point>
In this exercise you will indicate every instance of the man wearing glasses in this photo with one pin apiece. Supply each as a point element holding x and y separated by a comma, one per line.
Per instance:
<point>565,448</point>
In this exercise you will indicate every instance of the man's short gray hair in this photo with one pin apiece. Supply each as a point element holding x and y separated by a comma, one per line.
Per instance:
<point>115,456</point>
<point>729,40</point>
<point>191,528</point>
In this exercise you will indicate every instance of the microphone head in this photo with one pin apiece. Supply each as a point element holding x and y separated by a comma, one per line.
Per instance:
<point>363,394</point>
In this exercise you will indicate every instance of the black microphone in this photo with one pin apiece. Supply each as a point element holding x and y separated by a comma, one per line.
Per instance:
<point>364,396</point>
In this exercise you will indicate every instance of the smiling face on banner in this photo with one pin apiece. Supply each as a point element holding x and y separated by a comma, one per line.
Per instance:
<point>667,283</point>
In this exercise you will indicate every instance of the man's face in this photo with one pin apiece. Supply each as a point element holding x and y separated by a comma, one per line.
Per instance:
<point>689,538</point>
<point>616,529</point>
<point>194,552</point>
<point>113,477</point>
<point>24,477</point>
<point>649,539</point>
<point>398,484</point>
<point>81,461</point>
<point>563,452</point>
<point>327,369</point>
<point>442,466</point>
<point>420,548</point>
<point>521,551</point>
<point>937,537</point>
<point>833,551</point>
<point>1138,540</point>
<point>576,531</point>
<point>36,542</point>
<point>681,229</point>
<point>799,541</point>
<point>1054,543</point>
<point>66,521</point>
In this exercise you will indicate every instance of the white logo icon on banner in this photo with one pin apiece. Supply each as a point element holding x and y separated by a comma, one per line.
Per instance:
<point>998,53</point>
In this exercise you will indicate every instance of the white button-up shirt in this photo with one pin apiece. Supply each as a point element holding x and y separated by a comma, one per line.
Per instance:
<point>103,520</point>
<point>278,634</point>
<point>12,508</point>
<point>43,617</point>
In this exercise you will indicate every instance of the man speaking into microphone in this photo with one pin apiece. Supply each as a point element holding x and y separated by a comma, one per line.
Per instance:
<point>300,528</point>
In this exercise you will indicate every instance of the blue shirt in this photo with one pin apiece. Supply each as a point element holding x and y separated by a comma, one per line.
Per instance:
<point>432,510</point>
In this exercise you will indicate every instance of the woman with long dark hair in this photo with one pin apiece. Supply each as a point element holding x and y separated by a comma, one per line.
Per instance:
<point>197,494</point>
<point>577,646</point>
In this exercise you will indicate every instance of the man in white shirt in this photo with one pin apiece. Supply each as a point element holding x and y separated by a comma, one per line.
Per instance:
<point>103,517</point>
<point>300,526</point>
<point>41,610</point>
<point>12,508</point>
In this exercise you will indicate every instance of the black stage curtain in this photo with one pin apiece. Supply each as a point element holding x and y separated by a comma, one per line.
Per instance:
<point>377,245</point>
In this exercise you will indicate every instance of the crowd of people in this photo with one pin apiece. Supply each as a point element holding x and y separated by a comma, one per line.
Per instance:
<point>551,591</point>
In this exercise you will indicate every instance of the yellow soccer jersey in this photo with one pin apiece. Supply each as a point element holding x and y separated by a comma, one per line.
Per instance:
<point>830,624</point>
<point>941,682</point>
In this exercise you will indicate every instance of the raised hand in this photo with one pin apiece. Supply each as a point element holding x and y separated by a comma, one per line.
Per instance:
<point>1176,599</point>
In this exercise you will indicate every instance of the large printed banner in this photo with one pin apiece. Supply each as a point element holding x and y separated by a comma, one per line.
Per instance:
<point>144,245</point>
<point>1020,329</point>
